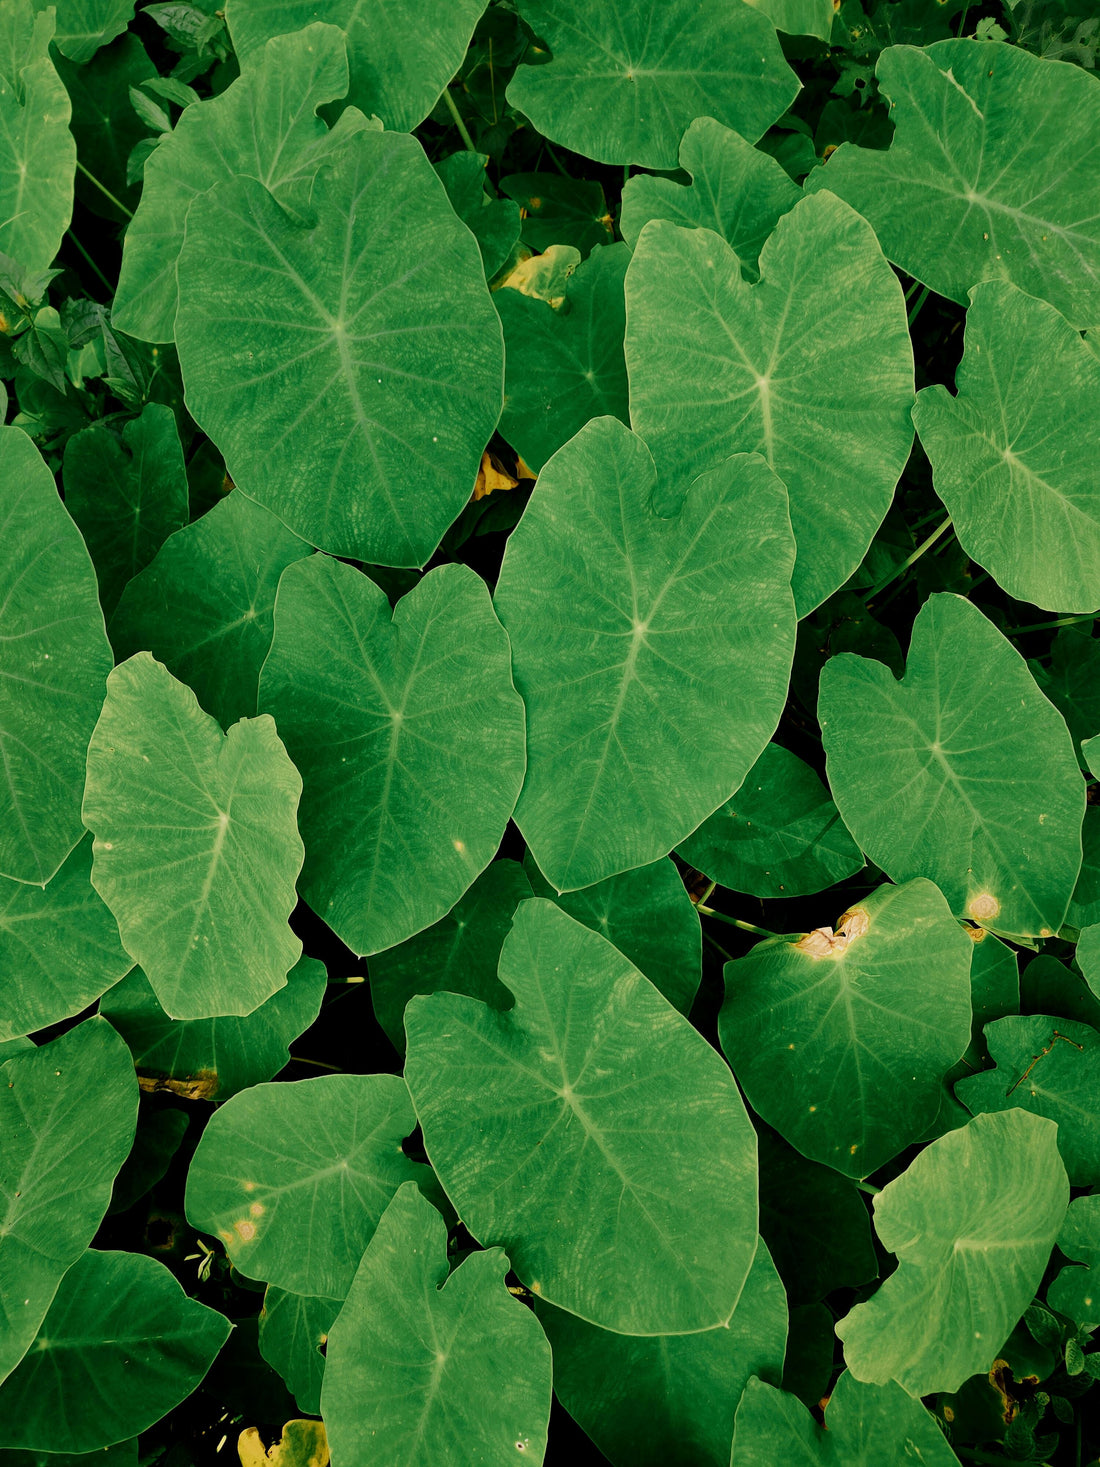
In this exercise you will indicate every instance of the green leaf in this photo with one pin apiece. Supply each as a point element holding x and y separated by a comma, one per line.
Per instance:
<point>122,1454</point>
<point>669,1401</point>
<point>1012,453</point>
<point>58,1159</point>
<point>801,17</point>
<point>264,127</point>
<point>736,190</point>
<point>1084,909</point>
<point>374,321</point>
<point>37,152</point>
<point>126,496</point>
<point>409,735</point>
<point>626,79</point>
<point>59,947</point>
<point>812,368</point>
<point>1051,1067</point>
<point>994,979</point>
<point>212,1059</point>
<point>54,658</point>
<point>649,916</point>
<point>865,1425</point>
<point>493,222</point>
<point>841,1041</point>
<point>972,1221</point>
<point>992,173</point>
<point>294,1177</point>
<point>1088,957</point>
<point>1090,748</point>
<point>779,836</point>
<point>205,605</point>
<point>402,56</point>
<point>422,1367</point>
<point>159,1136</point>
<point>961,772</point>
<point>197,847</point>
<point>1049,987</point>
<point>559,210</point>
<point>85,25</point>
<point>649,699</point>
<point>1074,1291</point>
<point>121,1346</point>
<point>458,954</point>
<point>293,1328</point>
<point>565,365</point>
<point>603,1144</point>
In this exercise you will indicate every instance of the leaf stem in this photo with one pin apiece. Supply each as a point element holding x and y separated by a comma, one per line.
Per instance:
<point>463,131</point>
<point>869,1188</point>
<point>718,948</point>
<point>735,922</point>
<point>90,262</point>
<point>1049,626</point>
<point>910,560</point>
<point>104,190</point>
<point>915,312</point>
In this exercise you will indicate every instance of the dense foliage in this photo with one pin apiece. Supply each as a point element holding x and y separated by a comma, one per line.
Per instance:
<point>549,704</point>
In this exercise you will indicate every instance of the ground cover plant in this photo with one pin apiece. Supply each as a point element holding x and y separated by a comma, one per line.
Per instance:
<point>550,731</point>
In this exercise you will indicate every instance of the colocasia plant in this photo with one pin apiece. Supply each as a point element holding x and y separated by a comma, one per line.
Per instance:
<point>549,728</point>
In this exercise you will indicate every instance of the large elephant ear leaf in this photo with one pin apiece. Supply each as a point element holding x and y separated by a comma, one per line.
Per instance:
<point>972,1222</point>
<point>1012,453</point>
<point>993,173</point>
<point>649,702</point>
<point>419,1360</point>
<point>812,368</point>
<point>55,651</point>
<point>626,78</point>
<point>401,54</point>
<point>372,319</point>
<point>961,772</point>
<point>58,1159</point>
<point>604,1144</point>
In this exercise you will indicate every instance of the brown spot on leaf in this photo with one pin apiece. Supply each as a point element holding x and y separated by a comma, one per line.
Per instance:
<point>983,907</point>
<point>823,942</point>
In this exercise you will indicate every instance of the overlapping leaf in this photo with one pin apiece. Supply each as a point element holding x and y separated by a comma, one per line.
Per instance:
<point>85,25</point>
<point>1074,1291</point>
<point>293,1328</point>
<point>372,319</point>
<point>962,772</point>
<point>591,1132</point>
<point>811,368</point>
<point>197,846</point>
<point>648,702</point>
<point>409,736</point>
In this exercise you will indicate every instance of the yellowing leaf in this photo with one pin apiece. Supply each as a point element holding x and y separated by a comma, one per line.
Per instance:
<point>303,1444</point>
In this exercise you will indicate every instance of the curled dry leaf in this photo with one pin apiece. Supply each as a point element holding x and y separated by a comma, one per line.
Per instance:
<point>823,942</point>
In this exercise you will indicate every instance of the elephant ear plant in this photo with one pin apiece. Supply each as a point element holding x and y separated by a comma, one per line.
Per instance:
<point>549,733</point>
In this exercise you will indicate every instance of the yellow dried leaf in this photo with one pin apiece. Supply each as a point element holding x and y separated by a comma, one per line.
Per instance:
<point>543,276</point>
<point>491,476</point>
<point>201,1086</point>
<point>303,1444</point>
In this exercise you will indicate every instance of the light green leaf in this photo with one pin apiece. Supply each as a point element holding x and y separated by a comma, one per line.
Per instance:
<point>564,366</point>
<point>1074,1291</point>
<point>85,25</point>
<point>626,78</point>
<point>401,55</point>
<point>841,1041</point>
<point>205,605</point>
<point>37,152</point>
<point>422,1367</point>
<point>1051,1067</point>
<point>121,1346</point>
<point>197,847</point>
<point>961,772</point>
<point>58,1159</point>
<point>779,835</point>
<point>993,173</point>
<point>649,916</point>
<point>265,127</point>
<point>813,368</point>
<point>1090,748</point>
<point>293,1328</point>
<point>602,1142</point>
<point>212,1059</point>
<point>865,1426</point>
<point>972,1221</point>
<point>294,1177</point>
<point>59,947</point>
<point>736,190</point>
<point>494,223</point>
<point>458,954</point>
<point>126,497</point>
<point>799,17</point>
<point>652,642</point>
<point>54,658</point>
<point>409,735</point>
<point>669,1401</point>
<point>1011,454</point>
<point>373,321</point>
